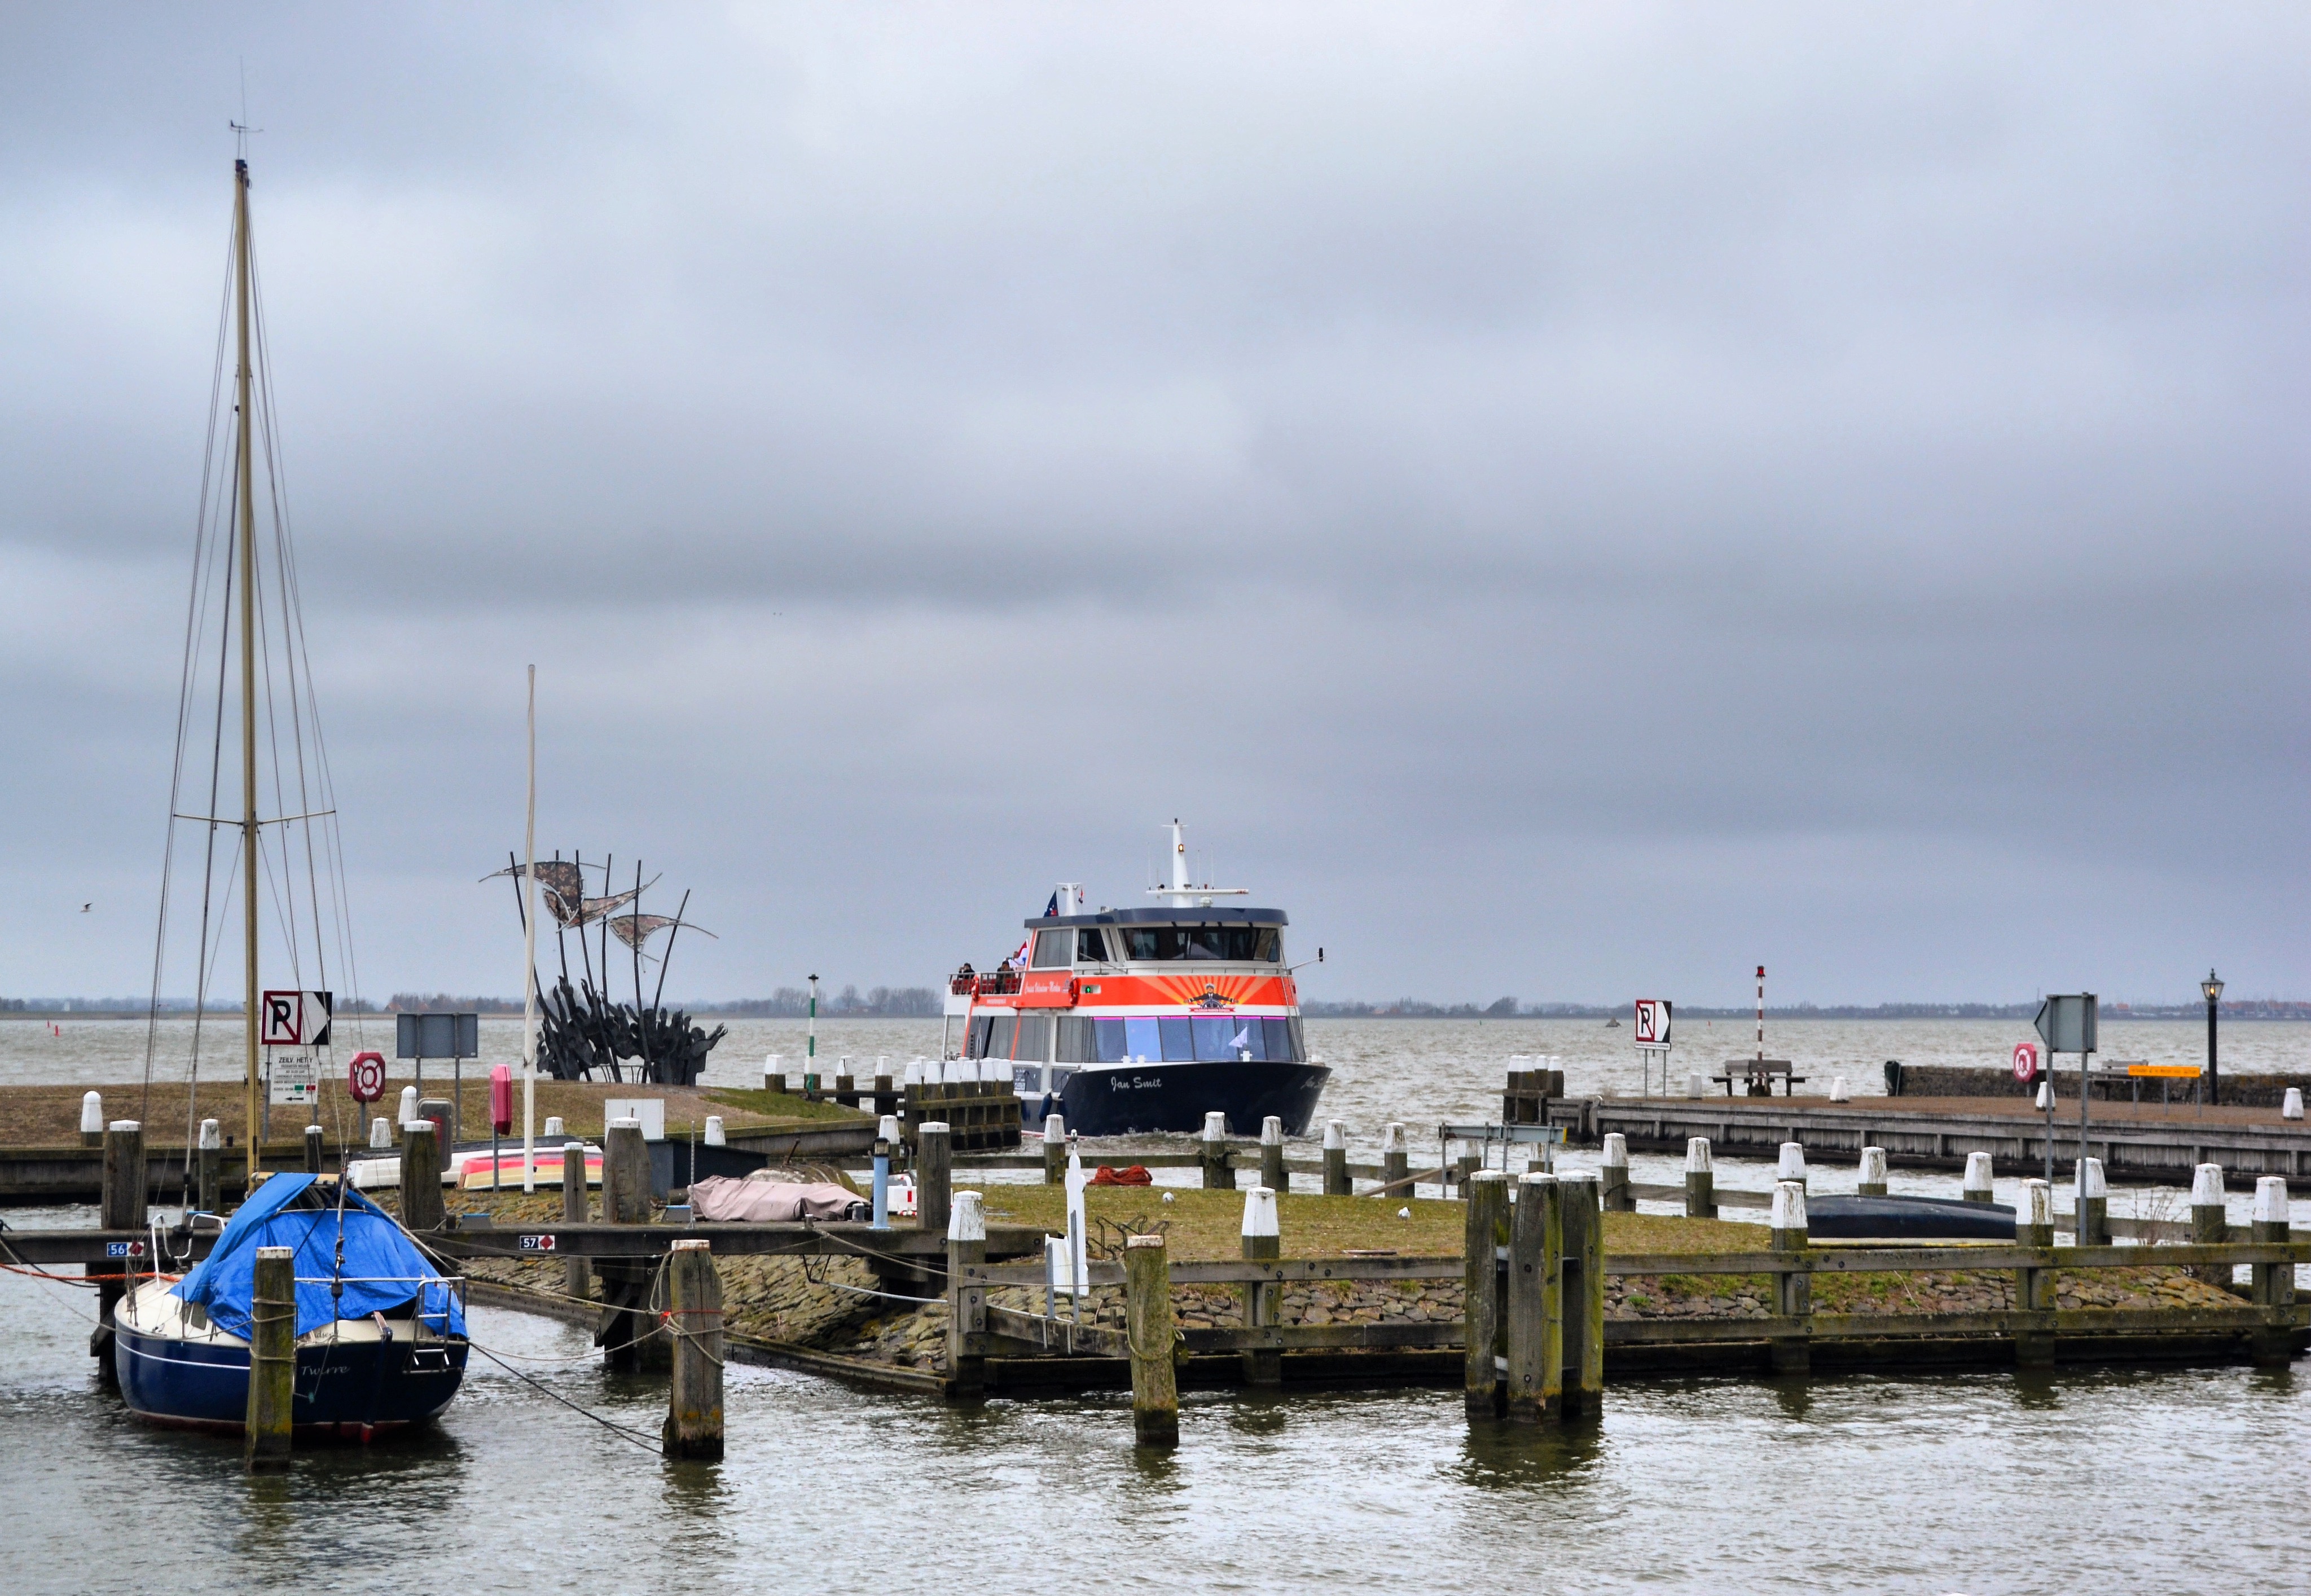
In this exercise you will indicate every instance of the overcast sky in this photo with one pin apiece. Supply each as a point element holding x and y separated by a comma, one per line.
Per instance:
<point>1566,501</point>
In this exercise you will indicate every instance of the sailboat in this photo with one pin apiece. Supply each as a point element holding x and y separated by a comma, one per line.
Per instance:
<point>380,1339</point>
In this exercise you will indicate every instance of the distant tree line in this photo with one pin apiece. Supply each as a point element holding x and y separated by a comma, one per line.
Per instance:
<point>878,1003</point>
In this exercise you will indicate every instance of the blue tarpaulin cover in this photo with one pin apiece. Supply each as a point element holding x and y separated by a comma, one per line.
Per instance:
<point>382,1268</point>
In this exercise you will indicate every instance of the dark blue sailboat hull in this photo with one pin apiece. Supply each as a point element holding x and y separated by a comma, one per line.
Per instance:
<point>352,1387</point>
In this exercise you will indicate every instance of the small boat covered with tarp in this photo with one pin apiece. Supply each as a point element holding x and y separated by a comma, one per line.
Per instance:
<point>380,1332</point>
<point>1907,1220</point>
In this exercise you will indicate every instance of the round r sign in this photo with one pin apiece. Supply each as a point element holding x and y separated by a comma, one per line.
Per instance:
<point>365,1076</point>
<point>2026,1061</point>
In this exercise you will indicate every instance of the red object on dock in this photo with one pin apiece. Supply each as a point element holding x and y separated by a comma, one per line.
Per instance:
<point>501,1099</point>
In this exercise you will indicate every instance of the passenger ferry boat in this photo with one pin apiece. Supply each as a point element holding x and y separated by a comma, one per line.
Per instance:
<point>1146,1019</point>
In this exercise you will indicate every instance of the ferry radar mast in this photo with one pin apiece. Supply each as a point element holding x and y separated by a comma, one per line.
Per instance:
<point>1183,894</point>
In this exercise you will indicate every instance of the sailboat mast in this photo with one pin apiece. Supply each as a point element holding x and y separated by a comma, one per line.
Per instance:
<point>245,466</point>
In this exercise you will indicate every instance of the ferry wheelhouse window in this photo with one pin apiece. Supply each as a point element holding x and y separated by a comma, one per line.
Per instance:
<point>1242,945</point>
<point>1091,947</point>
<point>1054,950</point>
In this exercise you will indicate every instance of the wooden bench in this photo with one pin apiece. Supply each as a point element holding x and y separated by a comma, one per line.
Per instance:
<point>1758,1074</point>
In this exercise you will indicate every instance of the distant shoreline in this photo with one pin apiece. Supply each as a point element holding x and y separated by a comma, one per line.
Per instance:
<point>2286,1012</point>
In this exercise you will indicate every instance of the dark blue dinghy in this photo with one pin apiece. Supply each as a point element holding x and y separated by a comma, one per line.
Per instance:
<point>1907,1220</point>
<point>380,1333</point>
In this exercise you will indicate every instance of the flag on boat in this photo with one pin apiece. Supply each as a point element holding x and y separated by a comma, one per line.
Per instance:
<point>1052,908</point>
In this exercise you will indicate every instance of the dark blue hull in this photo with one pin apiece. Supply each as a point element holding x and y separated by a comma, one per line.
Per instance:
<point>1127,1099</point>
<point>352,1388</point>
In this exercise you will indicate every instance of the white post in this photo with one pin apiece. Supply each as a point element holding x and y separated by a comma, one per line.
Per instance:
<point>1078,1229</point>
<point>1259,1212</point>
<point>714,1136</point>
<point>2291,1106</point>
<point>1793,1164</point>
<point>966,1220</point>
<point>529,961</point>
<point>1695,1087</point>
<point>92,1116</point>
<point>1976,1187</point>
<point>1872,1180</point>
<point>1839,1091</point>
<point>553,1132</point>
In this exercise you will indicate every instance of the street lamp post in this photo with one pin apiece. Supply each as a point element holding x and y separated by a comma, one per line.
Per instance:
<point>2213,988</point>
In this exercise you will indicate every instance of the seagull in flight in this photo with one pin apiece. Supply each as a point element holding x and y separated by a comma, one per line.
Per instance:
<point>85,908</point>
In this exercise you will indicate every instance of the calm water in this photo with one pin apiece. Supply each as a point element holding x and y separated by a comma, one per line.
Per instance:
<point>2179,1481</point>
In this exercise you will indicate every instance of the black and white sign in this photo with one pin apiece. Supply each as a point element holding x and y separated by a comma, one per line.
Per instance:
<point>295,1019</point>
<point>535,1243</point>
<point>1652,1022</point>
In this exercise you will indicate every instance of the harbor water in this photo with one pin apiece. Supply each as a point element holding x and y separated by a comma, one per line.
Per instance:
<point>2180,1480</point>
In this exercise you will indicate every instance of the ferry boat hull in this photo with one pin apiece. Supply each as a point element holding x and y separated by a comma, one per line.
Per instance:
<point>1128,1099</point>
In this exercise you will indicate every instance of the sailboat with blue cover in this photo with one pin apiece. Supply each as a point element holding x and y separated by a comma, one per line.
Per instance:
<point>380,1332</point>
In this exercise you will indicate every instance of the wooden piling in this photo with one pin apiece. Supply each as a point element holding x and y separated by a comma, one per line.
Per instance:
<point>1872,1183</point>
<point>1148,1328</point>
<point>271,1360</point>
<point>1272,1174</point>
<point>2033,1285</point>
<point>693,1395</point>
<point>625,1174</point>
<point>1218,1175</point>
<point>1794,1293</point>
<point>313,1149</point>
<point>1613,1175</point>
<point>1487,1193</point>
<point>2209,1222</point>
<point>444,1115</point>
<point>1581,1228</point>
<point>1395,1163</point>
<point>422,1208</point>
<point>1336,1183</point>
<point>628,1332</point>
<point>966,1318</point>
<point>1976,1186</point>
<point>1700,1180</point>
<point>1534,1384</point>
<point>209,1168</point>
<point>2274,1289</point>
<point>576,1278</point>
<point>1263,1240</point>
<point>121,1206</point>
<point>2090,1225</point>
<point>1055,1149</point>
<point>934,1176</point>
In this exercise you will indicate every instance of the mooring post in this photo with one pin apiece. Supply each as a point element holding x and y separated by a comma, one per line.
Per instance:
<point>1976,1186</point>
<point>966,1304</point>
<point>1148,1329</point>
<point>625,1174</point>
<point>422,1207</point>
<point>628,1333</point>
<point>1700,1180</point>
<point>1486,1192</point>
<point>1263,1242</point>
<point>444,1115</point>
<point>934,1176</point>
<point>121,1206</point>
<point>2034,1287</point>
<point>1584,1231</point>
<point>92,1119</point>
<point>312,1149</point>
<point>1272,1174</point>
<point>209,1168</point>
<point>1613,1175</point>
<point>1794,1291</point>
<point>1533,1389</point>
<point>1055,1149</point>
<point>1218,1175</point>
<point>271,1360</point>
<point>1792,1163</point>
<point>1872,1183</point>
<point>2272,1345</point>
<point>576,1279</point>
<point>2090,1225</point>
<point>1336,1183</point>
<point>1395,1162</point>
<point>693,1395</point>
<point>2209,1225</point>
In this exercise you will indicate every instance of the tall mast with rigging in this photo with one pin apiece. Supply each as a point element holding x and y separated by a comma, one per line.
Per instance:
<point>244,466</point>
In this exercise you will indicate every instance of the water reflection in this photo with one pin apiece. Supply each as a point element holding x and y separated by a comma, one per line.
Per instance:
<point>1498,1454</point>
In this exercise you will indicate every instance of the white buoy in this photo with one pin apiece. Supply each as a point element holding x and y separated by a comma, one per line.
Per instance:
<point>553,1129</point>
<point>2271,1200</point>
<point>1976,1187</point>
<point>1839,1091</point>
<point>2206,1186</point>
<point>1259,1212</point>
<point>1694,1084</point>
<point>2291,1106</point>
<point>966,1221</point>
<point>91,1113</point>
<point>1696,1156</point>
<point>714,1136</point>
<point>1793,1164</point>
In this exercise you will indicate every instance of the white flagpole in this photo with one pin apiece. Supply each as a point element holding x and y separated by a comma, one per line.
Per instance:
<point>529,961</point>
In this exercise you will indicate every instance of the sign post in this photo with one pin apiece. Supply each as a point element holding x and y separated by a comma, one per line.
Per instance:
<point>2066,1025</point>
<point>1652,1032</point>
